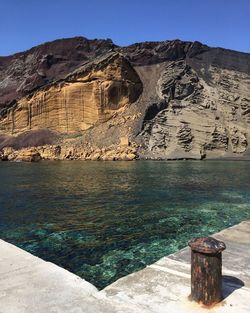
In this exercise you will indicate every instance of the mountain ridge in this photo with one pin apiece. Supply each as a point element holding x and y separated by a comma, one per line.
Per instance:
<point>167,99</point>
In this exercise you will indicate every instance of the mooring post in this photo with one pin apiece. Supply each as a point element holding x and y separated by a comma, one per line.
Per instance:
<point>206,263</point>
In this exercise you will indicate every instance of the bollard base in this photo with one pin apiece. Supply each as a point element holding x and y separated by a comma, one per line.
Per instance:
<point>206,306</point>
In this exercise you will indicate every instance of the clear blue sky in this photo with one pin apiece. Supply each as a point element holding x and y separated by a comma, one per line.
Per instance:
<point>26,23</point>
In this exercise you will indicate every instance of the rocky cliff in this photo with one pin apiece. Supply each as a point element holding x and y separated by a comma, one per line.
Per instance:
<point>90,94</point>
<point>157,100</point>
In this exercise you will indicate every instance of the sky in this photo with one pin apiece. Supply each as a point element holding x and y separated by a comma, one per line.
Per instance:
<point>217,23</point>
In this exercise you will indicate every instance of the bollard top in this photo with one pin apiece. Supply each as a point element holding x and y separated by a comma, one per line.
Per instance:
<point>207,245</point>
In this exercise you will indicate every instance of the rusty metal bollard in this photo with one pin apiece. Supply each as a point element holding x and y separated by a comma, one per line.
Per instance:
<point>206,263</point>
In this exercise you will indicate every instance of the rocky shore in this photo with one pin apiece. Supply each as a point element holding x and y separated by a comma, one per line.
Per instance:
<point>57,152</point>
<point>112,153</point>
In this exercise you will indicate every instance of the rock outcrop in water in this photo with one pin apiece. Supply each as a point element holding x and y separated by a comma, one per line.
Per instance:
<point>95,100</point>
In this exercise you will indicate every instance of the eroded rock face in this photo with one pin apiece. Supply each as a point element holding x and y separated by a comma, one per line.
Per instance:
<point>172,99</point>
<point>90,94</point>
<point>203,109</point>
<point>24,72</point>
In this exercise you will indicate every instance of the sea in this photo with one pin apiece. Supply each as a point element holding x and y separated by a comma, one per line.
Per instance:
<point>104,220</point>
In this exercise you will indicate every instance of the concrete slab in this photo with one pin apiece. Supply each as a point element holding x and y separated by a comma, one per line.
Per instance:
<point>29,284</point>
<point>236,257</point>
<point>164,286</point>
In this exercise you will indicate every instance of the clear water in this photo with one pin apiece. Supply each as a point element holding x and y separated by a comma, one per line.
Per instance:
<point>104,220</point>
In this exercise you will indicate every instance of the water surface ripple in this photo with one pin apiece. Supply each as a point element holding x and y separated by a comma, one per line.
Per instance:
<point>104,220</point>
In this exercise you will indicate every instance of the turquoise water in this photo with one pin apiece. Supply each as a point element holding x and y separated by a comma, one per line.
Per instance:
<point>104,220</point>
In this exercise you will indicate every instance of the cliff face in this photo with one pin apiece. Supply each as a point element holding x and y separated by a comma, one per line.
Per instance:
<point>171,99</point>
<point>90,94</point>
<point>202,108</point>
<point>23,72</point>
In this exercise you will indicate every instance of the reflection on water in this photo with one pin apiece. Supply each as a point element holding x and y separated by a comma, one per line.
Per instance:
<point>104,220</point>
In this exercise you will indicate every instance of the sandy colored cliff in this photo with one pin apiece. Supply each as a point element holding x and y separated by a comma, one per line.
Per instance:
<point>89,95</point>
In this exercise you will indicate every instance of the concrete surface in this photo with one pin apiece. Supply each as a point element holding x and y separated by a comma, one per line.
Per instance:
<point>29,284</point>
<point>164,286</point>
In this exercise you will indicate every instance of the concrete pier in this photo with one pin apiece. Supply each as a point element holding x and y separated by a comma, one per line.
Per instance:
<point>29,284</point>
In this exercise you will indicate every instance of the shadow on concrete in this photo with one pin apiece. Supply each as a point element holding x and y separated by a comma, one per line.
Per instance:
<point>230,284</point>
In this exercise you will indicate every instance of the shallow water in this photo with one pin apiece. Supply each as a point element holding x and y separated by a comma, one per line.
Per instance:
<point>104,220</point>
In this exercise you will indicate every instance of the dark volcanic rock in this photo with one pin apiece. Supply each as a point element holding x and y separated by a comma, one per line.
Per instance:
<point>23,72</point>
<point>146,53</point>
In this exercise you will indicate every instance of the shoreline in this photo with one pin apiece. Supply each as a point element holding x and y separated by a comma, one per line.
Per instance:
<point>123,152</point>
<point>227,159</point>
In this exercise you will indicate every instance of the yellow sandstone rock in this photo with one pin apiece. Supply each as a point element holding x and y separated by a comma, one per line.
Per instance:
<point>91,94</point>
